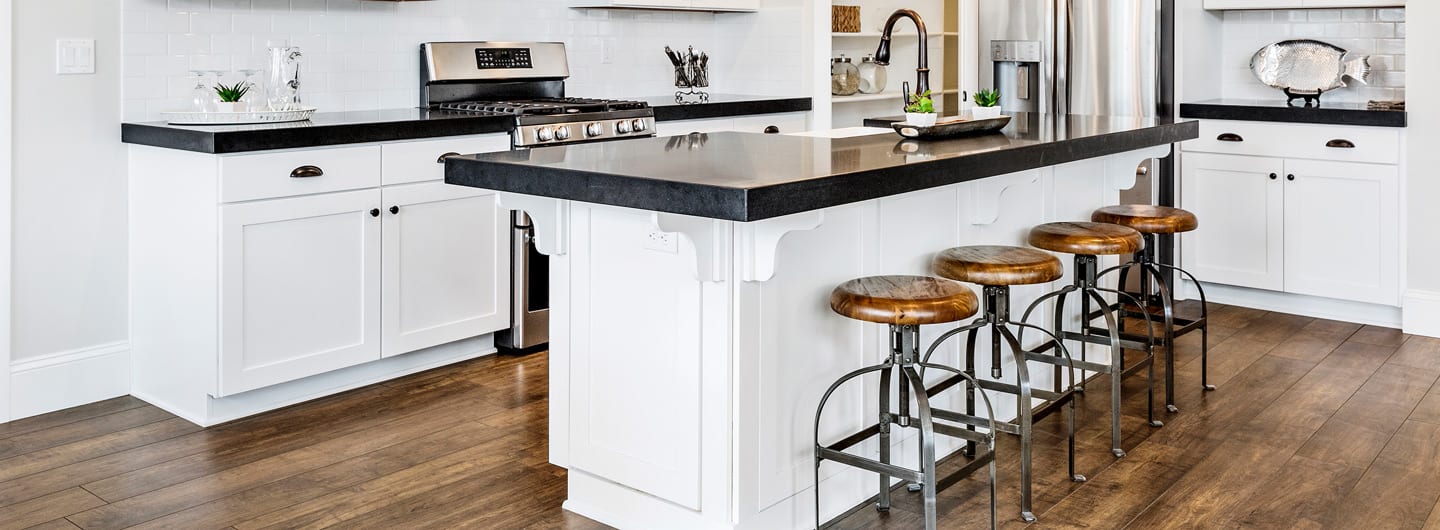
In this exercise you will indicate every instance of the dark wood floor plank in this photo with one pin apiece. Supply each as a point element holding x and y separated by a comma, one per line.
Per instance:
<point>1378,336</point>
<point>1308,345</point>
<point>1342,443</point>
<point>1389,397</point>
<point>80,451</point>
<point>70,415</point>
<point>1419,352</point>
<point>1400,489</point>
<point>58,524</point>
<point>1303,490</point>
<point>30,442</point>
<point>1428,410</point>
<point>170,499</point>
<point>289,433</point>
<point>48,508</point>
<point>471,437</point>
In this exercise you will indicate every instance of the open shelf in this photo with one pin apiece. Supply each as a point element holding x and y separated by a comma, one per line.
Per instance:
<point>881,97</point>
<point>876,35</point>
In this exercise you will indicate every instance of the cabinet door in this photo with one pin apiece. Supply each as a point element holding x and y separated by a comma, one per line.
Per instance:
<point>675,128</point>
<point>300,293</point>
<point>1342,231</point>
<point>1240,203</point>
<point>727,5</point>
<point>786,123</point>
<point>447,266</point>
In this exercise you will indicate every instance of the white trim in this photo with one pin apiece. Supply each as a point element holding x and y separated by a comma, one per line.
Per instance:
<point>6,164</point>
<point>69,379</point>
<point>1422,313</point>
<point>1298,304</point>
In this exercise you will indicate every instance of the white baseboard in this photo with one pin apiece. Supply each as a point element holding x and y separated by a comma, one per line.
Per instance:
<point>1299,304</point>
<point>1422,313</point>
<point>69,379</point>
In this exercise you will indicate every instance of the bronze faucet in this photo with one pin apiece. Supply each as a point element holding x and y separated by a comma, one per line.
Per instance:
<point>882,55</point>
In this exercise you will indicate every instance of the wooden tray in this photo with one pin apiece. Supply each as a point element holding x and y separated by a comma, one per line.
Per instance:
<point>952,128</point>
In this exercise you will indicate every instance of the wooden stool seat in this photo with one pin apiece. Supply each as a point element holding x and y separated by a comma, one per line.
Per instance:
<point>1087,239</point>
<point>904,300</point>
<point>1148,219</point>
<point>998,265</point>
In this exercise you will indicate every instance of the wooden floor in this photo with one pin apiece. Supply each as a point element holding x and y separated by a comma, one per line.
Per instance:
<point>1316,424</point>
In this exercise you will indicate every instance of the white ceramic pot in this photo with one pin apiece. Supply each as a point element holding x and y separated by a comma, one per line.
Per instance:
<point>985,113</point>
<point>238,106</point>
<point>921,119</point>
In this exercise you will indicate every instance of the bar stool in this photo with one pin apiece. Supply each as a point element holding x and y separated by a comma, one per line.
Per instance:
<point>1088,241</point>
<point>996,269</point>
<point>905,303</point>
<point>1151,221</point>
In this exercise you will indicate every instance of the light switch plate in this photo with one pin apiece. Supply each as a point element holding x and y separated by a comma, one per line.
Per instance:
<point>74,56</point>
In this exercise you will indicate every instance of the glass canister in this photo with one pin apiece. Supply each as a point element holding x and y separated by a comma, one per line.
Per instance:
<point>283,76</point>
<point>844,77</point>
<point>873,76</point>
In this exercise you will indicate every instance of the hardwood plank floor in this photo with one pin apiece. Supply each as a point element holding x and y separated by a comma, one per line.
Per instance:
<point>1317,424</point>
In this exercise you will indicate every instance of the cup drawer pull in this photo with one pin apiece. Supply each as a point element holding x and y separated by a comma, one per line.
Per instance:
<point>1340,144</point>
<point>442,158</point>
<point>1230,137</point>
<point>304,172</point>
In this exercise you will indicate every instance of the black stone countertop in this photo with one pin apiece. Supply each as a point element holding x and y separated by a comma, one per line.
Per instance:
<point>750,177</point>
<point>1279,111</point>
<point>339,128</point>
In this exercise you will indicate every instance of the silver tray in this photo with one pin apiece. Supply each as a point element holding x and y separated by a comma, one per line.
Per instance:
<point>951,128</point>
<point>238,118</point>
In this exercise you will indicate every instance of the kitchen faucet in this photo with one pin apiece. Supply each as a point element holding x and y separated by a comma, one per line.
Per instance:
<point>882,55</point>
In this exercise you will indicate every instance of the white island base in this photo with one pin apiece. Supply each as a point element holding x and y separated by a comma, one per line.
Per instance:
<point>688,354</point>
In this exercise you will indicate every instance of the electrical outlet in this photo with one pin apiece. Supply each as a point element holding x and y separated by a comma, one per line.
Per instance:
<point>607,51</point>
<point>663,242</point>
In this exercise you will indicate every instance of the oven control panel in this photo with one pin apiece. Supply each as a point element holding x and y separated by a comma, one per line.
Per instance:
<point>537,132</point>
<point>502,58</point>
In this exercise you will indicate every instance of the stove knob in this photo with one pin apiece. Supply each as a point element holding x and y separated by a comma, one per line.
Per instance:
<point>545,134</point>
<point>562,133</point>
<point>592,130</point>
<point>622,127</point>
<point>638,125</point>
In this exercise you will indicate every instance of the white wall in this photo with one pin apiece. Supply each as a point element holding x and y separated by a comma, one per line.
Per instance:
<point>1422,301</point>
<point>5,167</point>
<point>364,55</point>
<point>1379,33</point>
<point>69,266</point>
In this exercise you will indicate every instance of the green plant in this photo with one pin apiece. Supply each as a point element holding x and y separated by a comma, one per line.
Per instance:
<point>232,93</point>
<point>921,104</point>
<point>987,98</point>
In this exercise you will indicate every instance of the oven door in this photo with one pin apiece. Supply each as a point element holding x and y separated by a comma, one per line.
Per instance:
<point>529,290</point>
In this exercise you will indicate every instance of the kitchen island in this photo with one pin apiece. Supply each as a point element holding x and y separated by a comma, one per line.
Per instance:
<point>690,332</point>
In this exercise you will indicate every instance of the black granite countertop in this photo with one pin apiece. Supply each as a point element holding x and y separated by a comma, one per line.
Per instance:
<point>1278,111</point>
<point>339,128</point>
<point>750,177</point>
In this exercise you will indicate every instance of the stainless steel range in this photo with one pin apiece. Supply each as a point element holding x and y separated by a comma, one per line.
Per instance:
<point>525,80</point>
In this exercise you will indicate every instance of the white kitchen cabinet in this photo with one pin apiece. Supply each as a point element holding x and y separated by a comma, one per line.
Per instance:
<point>786,122</point>
<point>1342,231</point>
<point>740,6</point>
<point>299,288</point>
<point>1293,4</point>
<point>444,248</point>
<point>1241,205</point>
<point>1299,209</point>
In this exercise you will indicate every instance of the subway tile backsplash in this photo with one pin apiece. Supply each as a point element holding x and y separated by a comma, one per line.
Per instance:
<point>1379,33</point>
<point>363,55</point>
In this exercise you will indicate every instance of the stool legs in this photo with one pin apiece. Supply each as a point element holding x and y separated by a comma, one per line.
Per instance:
<point>904,362</point>
<point>1153,273</point>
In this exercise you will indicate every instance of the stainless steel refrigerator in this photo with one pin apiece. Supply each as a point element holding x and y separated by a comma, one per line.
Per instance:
<point>1075,57</point>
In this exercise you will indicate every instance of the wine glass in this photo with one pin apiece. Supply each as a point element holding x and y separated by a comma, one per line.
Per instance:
<point>200,94</point>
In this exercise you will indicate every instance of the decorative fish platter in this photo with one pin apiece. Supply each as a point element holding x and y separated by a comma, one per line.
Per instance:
<point>1308,68</point>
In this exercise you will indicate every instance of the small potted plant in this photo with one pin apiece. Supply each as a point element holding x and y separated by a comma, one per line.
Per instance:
<point>921,110</point>
<point>230,96</point>
<point>987,105</point>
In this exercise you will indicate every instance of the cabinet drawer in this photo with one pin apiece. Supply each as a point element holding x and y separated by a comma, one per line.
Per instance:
<point>299,172</point>
<point>420,161</point>
<point>1315,142</point>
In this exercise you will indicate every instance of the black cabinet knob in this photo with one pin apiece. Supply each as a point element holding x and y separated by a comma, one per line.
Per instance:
<point>1274,176</point>
<point>1290,177</point>
<point>394,210</point>
<point>374,212</point>
<point>772,130</point>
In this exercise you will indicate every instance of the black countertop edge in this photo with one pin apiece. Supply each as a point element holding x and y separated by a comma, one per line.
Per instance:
<point>1326,114</point>
<point>749,204</point>
<point>341,128</point>
<point>727,109</point>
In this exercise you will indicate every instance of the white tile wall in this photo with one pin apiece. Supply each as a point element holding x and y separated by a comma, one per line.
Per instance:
<point>362,55</point>
<point>1379,33</point>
